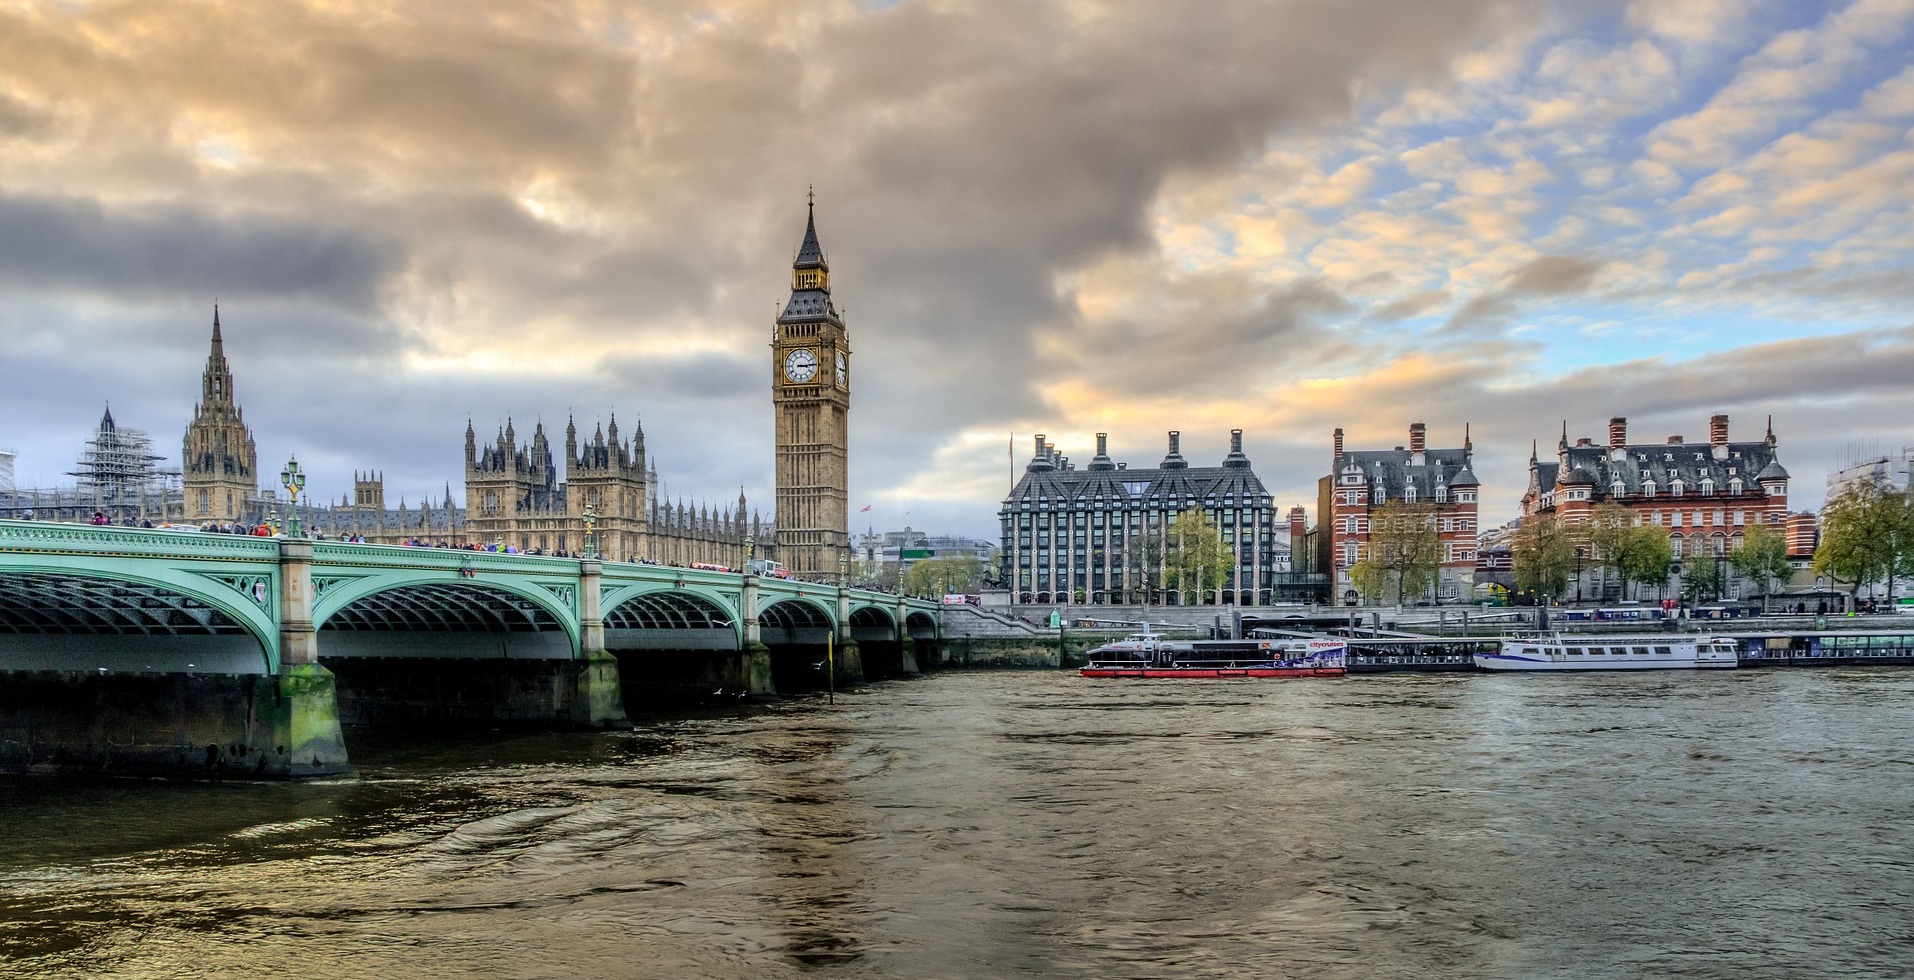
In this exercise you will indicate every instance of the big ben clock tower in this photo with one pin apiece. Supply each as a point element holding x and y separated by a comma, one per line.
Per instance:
<point>811,397</point>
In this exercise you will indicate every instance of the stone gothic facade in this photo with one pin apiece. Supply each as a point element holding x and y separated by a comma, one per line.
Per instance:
<point>811,399</point>
<point>516,495</point>
<point>219,464</point>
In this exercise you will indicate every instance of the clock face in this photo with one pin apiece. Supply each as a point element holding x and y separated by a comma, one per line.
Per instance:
<point>800,365</point>
<point>841,373</point>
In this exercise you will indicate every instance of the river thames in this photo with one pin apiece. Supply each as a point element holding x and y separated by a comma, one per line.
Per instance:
<point>1684,824</point>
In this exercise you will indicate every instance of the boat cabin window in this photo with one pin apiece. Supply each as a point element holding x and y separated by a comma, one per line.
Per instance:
<point>1663,652</point>
<point>1596,651</point>
<point>1574,651</point>
<point>1618,651</point>
<point>1641,651</point>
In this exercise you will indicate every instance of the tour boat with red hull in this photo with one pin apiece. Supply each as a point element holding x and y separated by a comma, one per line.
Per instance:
<point>1148,656</point>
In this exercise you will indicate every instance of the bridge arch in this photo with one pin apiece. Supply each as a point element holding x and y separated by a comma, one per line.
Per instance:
<point>793,620</point>
<point>673,619</point>
<point>76,618</point>
<point>921,625</point>
<point>434,616</point>
<point>871,623</point>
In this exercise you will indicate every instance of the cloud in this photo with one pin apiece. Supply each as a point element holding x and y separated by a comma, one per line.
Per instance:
<point>1040,216</point>
<point>170,250</point>
<point>1547,276</point>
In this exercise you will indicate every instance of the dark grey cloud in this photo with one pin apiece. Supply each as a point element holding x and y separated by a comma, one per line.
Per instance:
<point>172,250</point>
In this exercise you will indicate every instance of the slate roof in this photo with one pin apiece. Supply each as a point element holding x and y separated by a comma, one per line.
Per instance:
<point>806,303</point>
<point>1102,486</point>
<point>1663,463</point>
<point>1393,471</point>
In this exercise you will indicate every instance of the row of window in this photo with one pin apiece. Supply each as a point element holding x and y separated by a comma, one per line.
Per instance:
<point>1410,495</point>
<point>1358,524</point>
<point>1452,552</point>
<point>1676,488</point>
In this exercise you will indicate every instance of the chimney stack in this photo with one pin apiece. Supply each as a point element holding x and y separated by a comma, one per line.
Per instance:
<point>1339,444</point>
<point>1103,444</point>
<point>1176,440</point>
<point>1718,431</point>
<point>1617,432</point>
<point>1417,436</point>
<point>1236,440</point>
<point>1040,444</point>
<point>1674,440</point>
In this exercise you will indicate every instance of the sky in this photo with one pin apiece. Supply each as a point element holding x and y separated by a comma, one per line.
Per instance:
<point>1062,217</point>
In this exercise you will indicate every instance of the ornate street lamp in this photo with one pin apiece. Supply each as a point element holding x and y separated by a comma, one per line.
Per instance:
<point>294,481</point>
<point>591,521</point>
<point>750,552</point>
<point>843,570</point>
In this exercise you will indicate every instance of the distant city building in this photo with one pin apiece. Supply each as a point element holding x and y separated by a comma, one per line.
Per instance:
<point>219,460</point>
<point>6,471</point>
<point>1889,471</point>
<point>1706,496</point>
<point>1362,482</point>
<point>902,549</point>
<point>1099,535</point>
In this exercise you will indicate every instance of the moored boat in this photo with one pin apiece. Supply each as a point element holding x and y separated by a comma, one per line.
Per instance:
<point>1597,652</point>
<point>1138,657</point>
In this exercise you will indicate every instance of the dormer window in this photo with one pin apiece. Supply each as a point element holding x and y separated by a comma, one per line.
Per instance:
<point>1675,487</point>
<point>1734,485</point>
<point>1442,494</point>
<point>1616,489</point>
<point>1707,486</point>
<point>1409,494</point>
<point>1381,496</point>
<point>1648,488</point>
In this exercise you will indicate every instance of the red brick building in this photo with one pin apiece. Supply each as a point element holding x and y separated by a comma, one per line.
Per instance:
<point>1361,481</point>
<point>1705,495</point>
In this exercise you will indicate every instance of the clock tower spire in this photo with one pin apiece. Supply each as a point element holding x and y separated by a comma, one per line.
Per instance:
<point>811,399</point>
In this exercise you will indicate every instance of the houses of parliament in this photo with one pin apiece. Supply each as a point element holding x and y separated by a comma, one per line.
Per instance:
<point>519,495</point>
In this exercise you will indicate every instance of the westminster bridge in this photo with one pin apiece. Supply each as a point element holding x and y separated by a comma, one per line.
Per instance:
<point>135,651</point>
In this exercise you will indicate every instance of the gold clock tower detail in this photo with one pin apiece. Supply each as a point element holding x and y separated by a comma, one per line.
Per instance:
<point>811,397</point>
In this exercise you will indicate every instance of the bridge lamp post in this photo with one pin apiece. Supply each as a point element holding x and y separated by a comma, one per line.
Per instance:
<point>591,521</point>
<point>843,570</point>
<point>294,481</point>
<point>750,552</point>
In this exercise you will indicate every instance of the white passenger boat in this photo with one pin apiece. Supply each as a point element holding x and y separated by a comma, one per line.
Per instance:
<point>1596,652</point>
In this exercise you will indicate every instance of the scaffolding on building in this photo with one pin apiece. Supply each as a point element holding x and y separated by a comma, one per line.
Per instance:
<point>118,476</point>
